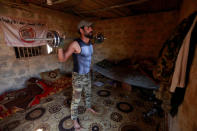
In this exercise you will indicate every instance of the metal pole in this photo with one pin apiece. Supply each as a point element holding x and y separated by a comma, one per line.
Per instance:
<point>37,39</point>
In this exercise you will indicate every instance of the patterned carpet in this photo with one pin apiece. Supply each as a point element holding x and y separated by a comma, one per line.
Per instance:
<point>118,110</point>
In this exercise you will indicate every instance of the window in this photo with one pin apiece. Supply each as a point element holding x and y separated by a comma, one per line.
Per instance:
<point>26,52</point>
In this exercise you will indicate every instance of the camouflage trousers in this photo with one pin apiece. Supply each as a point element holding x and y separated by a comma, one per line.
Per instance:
<point>80,83</point>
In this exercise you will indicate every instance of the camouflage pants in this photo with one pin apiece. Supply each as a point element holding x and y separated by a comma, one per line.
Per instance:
<point>80,83</point>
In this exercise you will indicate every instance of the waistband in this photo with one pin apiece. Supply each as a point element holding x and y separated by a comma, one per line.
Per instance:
<point>75,73</point>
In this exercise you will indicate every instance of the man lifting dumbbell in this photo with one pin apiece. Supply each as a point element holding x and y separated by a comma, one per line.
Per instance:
<point>81,50</point>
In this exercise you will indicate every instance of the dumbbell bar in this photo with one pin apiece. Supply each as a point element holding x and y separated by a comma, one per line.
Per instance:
<point>40,39</point>
<point>53,38</point>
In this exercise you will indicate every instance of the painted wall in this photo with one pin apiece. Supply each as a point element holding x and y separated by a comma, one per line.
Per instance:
<point>14,72</point>
<point>129,37</point>
<point>134,37</point>
<point>186,119</point>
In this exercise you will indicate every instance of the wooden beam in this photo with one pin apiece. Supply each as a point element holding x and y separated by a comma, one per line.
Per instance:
<point>114,6</point>
<point>126,11</point>
<point>60,1</point>
<point>117,12</point>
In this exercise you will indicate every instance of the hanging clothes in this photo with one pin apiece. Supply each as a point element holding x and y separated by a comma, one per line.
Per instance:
<point>165,66</point>
<point>179,75</point>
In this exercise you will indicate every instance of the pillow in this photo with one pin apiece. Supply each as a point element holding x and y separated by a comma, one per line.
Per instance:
<point>51,75</point>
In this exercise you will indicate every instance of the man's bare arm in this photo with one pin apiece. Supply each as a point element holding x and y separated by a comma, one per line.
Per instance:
<point>63,56</point>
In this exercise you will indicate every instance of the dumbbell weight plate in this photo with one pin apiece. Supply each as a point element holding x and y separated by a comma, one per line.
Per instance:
<point>99,38</point>
<point>50,35</point>
<point>56,38</point>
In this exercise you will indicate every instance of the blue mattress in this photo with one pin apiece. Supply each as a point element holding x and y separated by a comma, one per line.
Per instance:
<point>127,75</point>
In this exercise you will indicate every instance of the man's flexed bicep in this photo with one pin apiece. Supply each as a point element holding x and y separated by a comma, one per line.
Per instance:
<point>63,56</point>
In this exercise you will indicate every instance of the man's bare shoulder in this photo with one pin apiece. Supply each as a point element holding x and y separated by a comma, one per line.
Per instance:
<point>75,47</point>
<point>74,44</point>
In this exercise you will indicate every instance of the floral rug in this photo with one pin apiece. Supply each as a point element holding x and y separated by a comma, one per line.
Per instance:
<point>118,110</point>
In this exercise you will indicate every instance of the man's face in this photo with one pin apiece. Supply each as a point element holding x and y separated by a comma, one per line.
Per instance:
<point>88,32</point>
